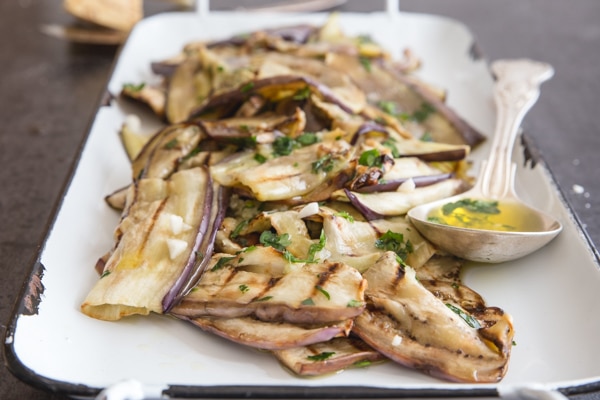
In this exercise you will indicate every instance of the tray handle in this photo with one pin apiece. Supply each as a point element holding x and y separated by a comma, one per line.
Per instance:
<point>392,7</point>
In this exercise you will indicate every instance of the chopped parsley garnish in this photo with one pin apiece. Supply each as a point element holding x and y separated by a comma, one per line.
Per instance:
<point>370,158</point>
<point>323,291</point>
<point>245,142</point>
<point>171,144</point>
<point>244,288</point>
<point>278,242</point>
<point>324,164</point>
<point>316,247</point>
<point>355,303</point>
<point>390,144</point>
<point>473,205</point>
<point>364,39</point>
<point>345,215</point>
<point>393,241</point>
<point>362,363</point>
<point>420,115</point>
<point>266,298</point>
<point>308,302</point>
<point>238,229</point>
<point>321,356</point>
<point>105,273</point>
<point>221,263</point>
<point>388,107</point>
<point>293,259</point>
<point>423,113</point>
<point>366,63</point>
<point>247,87</point>
<point>132,87</point>
<point>472,322</point>
<point>283,146</point>
<point>302,94</point>
<point>260,158</point>
<point>191,154</point>
<point>307,138</point>
<point>426,137</point>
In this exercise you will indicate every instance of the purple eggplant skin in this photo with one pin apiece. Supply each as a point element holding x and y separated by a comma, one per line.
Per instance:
<point>447,155</point>
<point>269,335</point>
<point>365,128</point>
<point>116,200</point>
<point>369,214</point>
<point>215,205</point>
<point>393,184</point>
<point>196,258</point>
<point>233,98</point>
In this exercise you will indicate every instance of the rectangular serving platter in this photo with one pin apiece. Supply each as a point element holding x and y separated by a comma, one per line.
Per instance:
<point>552,294</point>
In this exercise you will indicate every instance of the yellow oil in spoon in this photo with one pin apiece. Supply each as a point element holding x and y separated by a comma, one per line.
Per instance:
<point>483,214</point>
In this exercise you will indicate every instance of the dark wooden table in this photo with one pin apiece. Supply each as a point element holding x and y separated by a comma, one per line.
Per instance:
<point>50,89</point>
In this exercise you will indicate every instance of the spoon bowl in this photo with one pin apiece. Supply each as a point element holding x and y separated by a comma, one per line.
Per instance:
<point>515,92</point>
<point>489,246</point>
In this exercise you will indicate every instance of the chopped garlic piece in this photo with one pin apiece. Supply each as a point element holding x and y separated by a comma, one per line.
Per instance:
<point>407,186</point>
<point>397,340</point>
<point>176,247</point>
<point>309,209</point>
<point>177,224</point>
<point>133,122</point>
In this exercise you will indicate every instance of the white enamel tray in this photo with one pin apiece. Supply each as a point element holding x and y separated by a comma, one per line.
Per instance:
<point>553,294</point>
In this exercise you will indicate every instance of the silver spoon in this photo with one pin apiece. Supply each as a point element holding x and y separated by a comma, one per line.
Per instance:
<point>517,88</point>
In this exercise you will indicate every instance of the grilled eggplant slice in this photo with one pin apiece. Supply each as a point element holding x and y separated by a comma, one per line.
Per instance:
<point>403,320</point>
<point>314,294</point>
<point>284,177</point>
<point>271,335</point>
<point>163,153</point>
<point>329,357</point>
<point>157,246</point>
<point>385,204</point>
<point>402,99</point>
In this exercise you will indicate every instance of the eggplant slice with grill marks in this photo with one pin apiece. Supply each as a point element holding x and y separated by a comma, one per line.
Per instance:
<point>329,357</point>
<point>313,294</point>
<point>403,320</point>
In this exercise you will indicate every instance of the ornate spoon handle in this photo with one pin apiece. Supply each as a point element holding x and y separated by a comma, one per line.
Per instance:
<point>516,90</point>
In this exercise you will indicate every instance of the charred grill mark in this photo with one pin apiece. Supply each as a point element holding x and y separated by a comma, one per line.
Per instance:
<point>324,276</point>
<point>268,286</point>
<point>399,276</point>
<point>153,220</point>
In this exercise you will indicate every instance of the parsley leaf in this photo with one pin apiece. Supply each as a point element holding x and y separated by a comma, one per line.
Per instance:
<point>283,146</point>
<point>472,322</point>
<point>302,94</point>
<point>321,356</point>
<point>370,158</point>
<point>393,241</point>
<point>278,242</point>
<point>473,205</point>
<point>324,164</point>
<point>323,291</point>
<point>307,138</point>
<point>316,247</point>
<point>222,262</point>
<point>132,87</point>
